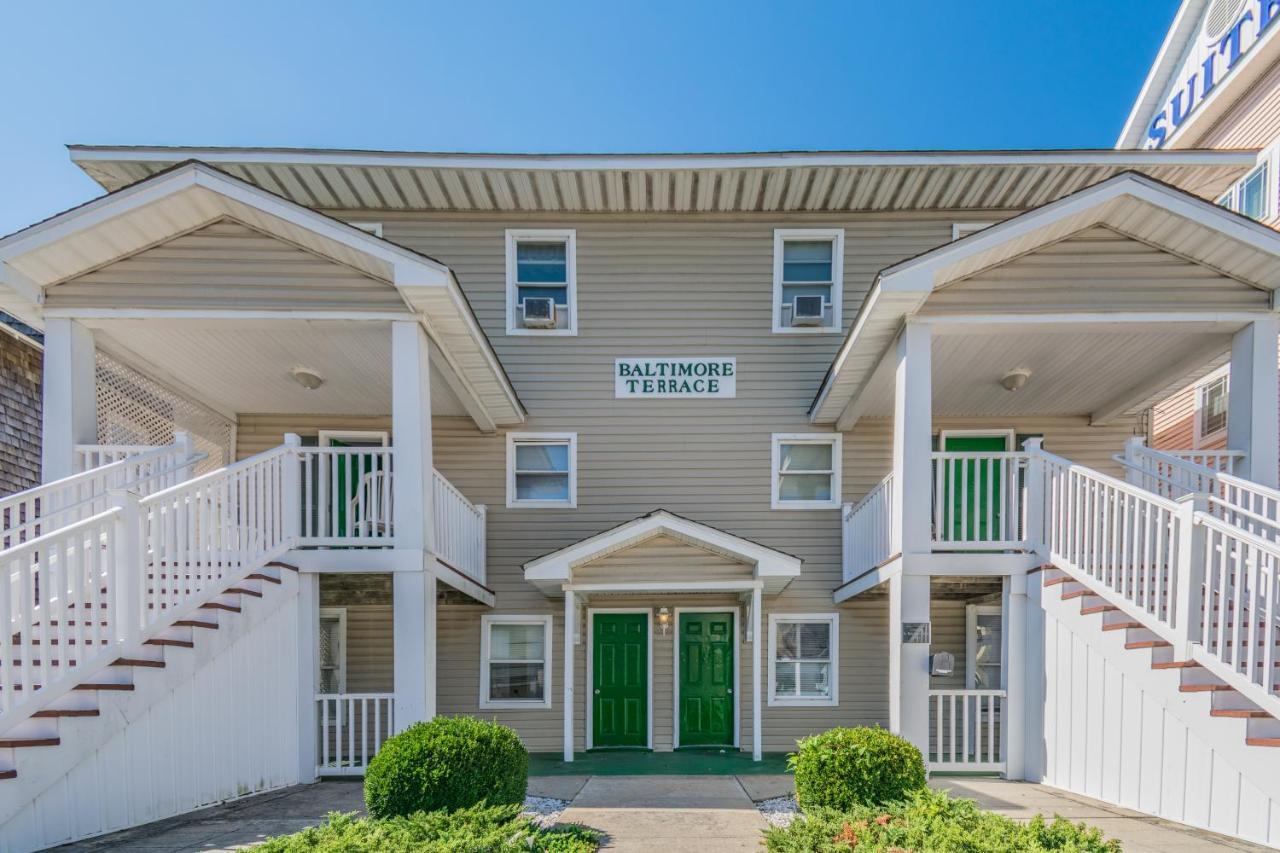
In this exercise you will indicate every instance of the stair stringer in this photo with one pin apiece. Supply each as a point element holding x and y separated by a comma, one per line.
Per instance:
<point>1108,726</point>
<point>218,722</point>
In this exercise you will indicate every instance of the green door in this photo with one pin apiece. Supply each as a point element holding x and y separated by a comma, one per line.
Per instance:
<point>706,679</point>
<point>972,489</point>
<point>620,680</point>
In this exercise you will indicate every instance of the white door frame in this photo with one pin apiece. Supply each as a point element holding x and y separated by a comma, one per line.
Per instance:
<point>1010,436</point>
<point>971,614</point>
<point>737,672</point>
<point>327,436</point>
<point>588,688</point>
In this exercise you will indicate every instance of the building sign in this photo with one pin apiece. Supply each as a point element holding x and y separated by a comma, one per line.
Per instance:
<point>1223,44</point>
<point>675,377</point>
<point>915,632</point>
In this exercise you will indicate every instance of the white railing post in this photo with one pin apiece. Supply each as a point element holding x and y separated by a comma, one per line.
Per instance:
<point>291,486</point>
<point>1035,496</point>
<point>126,576</point>
<point>185,449</point>
<point>846,542</point>
<point>1133,448</point>
<point>1192,558</point>
<point>482,544</point>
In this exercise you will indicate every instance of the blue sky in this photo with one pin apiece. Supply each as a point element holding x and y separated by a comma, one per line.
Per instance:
<point>539,77</point>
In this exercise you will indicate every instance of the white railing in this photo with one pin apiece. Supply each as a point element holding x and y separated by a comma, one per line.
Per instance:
<point>61,605</point>
<point>868,530</point>
<point>52,505</point>
<point>1238,612</point>
<point>1121,536</point>
<point>90,456</point>
<point>351,729</point>
<point>1223,461</point>
<point>460,529</point>
<point>965,730</point>
<point>978,500</point>
<point>346,496</point>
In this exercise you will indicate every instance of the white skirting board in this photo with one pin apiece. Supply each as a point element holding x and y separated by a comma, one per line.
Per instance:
<point>217,723</point>
<point>1112,728</point>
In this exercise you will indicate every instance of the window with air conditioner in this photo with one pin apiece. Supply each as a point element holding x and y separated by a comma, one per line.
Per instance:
<point>808,273</point>
<point>542,282</point>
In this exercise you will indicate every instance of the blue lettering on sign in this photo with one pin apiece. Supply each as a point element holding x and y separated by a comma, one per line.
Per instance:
<point>1235,42</point>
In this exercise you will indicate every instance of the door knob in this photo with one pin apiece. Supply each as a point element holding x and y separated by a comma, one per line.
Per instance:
<point>597,691</point>
<point>730,690</point>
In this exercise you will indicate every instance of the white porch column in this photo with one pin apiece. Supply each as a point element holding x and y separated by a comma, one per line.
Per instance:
<point>1033,687</point>
<point>1013,675</point>
<point>570,617</point>
<point>909,662</point>
<point>70,397</point>
<point>308,669</point>
<point>1253,408</point>
<point>414,592</point>
<point>913,440</point>
<point>757,748</point>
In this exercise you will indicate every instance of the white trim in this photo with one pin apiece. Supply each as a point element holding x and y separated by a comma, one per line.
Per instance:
<point>340,613</point>
<point>831,701</point>
<point>971,614</point>
<point>775,457</point>
<point>374,228</point>
<point>589,684</point>
<point>964,229</point>
<point>666,586</point>
<point>569,237</point>
<point>737,674</point>
<point>1010,436</point>
<point>1198,439</point>
<point>326,437</point>
<point>221,314</point>
<point>836,236</point>
<point>548,656</point>
<point>567,438</point>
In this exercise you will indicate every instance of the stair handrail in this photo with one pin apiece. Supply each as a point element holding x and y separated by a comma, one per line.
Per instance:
<point>43,508</point>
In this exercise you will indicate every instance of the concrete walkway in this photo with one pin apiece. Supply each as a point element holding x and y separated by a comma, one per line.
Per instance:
<point>667,813</point>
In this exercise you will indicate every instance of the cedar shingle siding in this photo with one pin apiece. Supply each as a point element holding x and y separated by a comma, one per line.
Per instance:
<point>20,370</point>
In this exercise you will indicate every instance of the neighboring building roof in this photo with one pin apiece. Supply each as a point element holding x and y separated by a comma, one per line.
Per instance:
<point>778,181</point>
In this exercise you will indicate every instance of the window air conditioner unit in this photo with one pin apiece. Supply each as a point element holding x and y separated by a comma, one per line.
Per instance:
<point>539,312</point>
<point>807,311</point>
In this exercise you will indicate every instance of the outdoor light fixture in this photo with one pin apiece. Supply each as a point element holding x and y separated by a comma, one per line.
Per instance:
<point>307,378</point>
<point>1015,379</point>
<point>664,620</point>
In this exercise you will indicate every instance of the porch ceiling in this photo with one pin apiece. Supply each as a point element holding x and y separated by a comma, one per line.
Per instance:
<point>1075,369</point>
<point>241,366</point>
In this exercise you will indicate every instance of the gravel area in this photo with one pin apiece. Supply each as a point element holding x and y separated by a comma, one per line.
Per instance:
<point>545,811</point>
<point>779,811</point>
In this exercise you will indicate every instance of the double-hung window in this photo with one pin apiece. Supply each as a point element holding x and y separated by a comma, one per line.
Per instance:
<point>802,659</point>
<point>808,273</point>
<point>1251,195</point>
<point>542,469</point>
<point>542,282</point>
<point>1211,407</point>
<point>515,662</point>
<point>806,471</point>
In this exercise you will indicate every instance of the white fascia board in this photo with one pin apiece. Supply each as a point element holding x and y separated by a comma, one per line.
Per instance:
<point>81,154</point>
<point>1167,61</point>
<point>19,284</point>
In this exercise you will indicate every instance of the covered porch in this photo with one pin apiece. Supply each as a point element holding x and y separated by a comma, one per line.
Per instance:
<point>1011,369</point>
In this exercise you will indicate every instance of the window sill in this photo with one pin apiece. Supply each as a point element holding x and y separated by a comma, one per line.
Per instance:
<point>804,504</point>
<point>793,702</point>
<point>517,705</point>
<point>542,505</point>
<point>806,330</point>
<point>545,333</point>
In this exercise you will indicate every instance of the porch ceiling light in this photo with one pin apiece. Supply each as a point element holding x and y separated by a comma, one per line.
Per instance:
<point>1015,379</point>
<point>307,378</point>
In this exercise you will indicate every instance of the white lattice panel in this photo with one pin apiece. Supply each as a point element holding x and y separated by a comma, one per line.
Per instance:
<point>134,409</point>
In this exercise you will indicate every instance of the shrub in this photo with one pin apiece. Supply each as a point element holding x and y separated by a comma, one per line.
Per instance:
<point>480,829</point>
<point>843,768</point>
<point>930,820</point>
<point>448,763</point>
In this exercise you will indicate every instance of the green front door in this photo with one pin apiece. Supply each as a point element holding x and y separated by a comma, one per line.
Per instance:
<point>972,489</point>
<point>706,679</point>
<point>620,680</point>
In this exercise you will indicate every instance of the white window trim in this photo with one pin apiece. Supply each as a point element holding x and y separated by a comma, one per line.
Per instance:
<point>374,228</point>
<point>1199,439</point>
<point>326,437</point>
<point>836,236</point>
<point>547,656</point>
<point>964,229</point>
<point>780,438</point>
<point>774,701</point>
<point>971,614</point>
<point>340,613</point>
<point>514,438</point>
<point>1231,198</point>
<point>570,238</point>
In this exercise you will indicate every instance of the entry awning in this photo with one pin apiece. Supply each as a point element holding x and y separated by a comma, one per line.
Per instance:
<point>770,570</point>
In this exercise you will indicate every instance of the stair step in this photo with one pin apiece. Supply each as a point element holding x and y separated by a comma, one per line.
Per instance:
<point>276,564</point>
<point>1262,741</point>
<point>1060,579</point>
<point>157,664</point>
<point>236,590</point>
<point>8,774</point>
<point>1147,644</point>
<point>1069,594</point>
<point>1088,610</point>
<point>1174,664</point>
<point>1244,713</point>
<point>161,641</point>
<point>67,712</point>
<point>1121,626</point>
<point>1204,688</point>
<point>107,686</point>
<point>195,623</point>
<point>258,576</point>
<point>20,743</point>
<point>218,605</point>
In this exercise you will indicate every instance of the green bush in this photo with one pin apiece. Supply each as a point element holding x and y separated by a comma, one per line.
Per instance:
<point>843,768</point>
<point>930,820</point>
<point>448,763</point>
<point>480,829</point>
